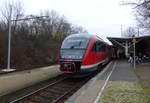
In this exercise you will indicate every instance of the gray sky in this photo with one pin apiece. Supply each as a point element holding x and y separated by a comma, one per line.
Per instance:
<point>101,17</point>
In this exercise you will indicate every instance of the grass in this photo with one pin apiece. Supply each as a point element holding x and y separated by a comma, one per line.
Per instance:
<point>124,92</point>
<point>128,92</point>
<point>142,82</point>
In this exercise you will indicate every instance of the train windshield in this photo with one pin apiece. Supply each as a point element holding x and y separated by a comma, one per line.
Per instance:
<point>75,43</point>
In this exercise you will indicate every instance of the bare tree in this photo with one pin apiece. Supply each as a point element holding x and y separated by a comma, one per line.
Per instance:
<point>36,41</point>
<point>17,12</point>
<point>130,32</point>
<point>142,13</point>
<point>78,29</point>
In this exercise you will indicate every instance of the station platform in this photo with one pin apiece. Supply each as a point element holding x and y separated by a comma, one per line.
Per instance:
<point>18,80</point>
<point>117,83</point>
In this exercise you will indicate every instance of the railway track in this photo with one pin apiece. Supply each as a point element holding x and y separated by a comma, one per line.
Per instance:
<point>54,92</point>
<point>57,89</point>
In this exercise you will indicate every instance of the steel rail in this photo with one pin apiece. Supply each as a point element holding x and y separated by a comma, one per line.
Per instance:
<point>56,100</point>
<point>25,96</point>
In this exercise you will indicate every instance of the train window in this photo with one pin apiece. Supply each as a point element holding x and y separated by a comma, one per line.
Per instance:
<point>104,48</point>
<point>74,43</point>
<point>99,47</point>
<point>108,49</point>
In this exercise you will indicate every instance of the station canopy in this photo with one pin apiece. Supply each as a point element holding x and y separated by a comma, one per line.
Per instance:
<point>120,41</point>
<point>142,43</point>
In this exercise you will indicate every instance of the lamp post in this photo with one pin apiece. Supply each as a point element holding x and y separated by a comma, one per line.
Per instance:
<point>9,43</point>
<point>134,55</point>
<point>9,38</point>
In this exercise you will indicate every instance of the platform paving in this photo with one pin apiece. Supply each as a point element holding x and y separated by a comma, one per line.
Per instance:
<point>17,80</point>
<point>123,72</point>
<point>122,87</point>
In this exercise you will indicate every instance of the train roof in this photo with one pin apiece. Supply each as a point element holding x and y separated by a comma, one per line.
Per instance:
<point>86,35</point>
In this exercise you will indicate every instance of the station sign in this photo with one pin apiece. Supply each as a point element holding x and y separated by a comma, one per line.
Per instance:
<point>134,40</point>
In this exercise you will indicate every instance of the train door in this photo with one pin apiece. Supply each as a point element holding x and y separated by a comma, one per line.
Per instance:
<point>94,50</point>
<point>100,54</point>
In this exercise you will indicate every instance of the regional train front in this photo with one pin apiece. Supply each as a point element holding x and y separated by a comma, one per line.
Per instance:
<point>72,53</point>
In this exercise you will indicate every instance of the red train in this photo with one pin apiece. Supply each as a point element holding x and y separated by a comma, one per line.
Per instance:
<point>83,53</point>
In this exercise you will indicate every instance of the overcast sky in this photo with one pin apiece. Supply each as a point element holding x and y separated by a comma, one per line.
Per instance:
<point>101,17</point>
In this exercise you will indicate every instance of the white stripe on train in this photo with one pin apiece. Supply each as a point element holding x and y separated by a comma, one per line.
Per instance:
<point>94,65</point>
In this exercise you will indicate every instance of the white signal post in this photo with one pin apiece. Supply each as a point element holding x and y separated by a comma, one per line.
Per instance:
<point>134,54</point>
<point>134,41</point>
<point>9,39</point>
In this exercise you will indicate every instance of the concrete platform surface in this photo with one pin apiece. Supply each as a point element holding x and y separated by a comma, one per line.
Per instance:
<point>88,93</point>
<point>17,80</point>
<point>116,84</point>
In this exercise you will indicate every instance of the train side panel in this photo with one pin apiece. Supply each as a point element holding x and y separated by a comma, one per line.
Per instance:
<point>93,58</point>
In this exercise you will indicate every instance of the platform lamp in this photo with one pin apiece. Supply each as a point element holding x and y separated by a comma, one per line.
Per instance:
<point>9,38</point>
